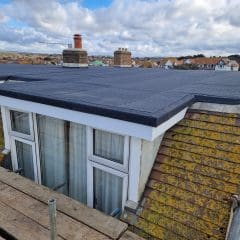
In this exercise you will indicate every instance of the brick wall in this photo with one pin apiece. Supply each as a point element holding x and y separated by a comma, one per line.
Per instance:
<point>75,56</point>
<point>122,58</point>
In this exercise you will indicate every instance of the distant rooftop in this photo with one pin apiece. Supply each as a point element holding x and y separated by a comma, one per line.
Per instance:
<point>145,96</point>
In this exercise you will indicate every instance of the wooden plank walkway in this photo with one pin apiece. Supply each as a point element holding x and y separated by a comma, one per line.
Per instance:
<point>24,214</point>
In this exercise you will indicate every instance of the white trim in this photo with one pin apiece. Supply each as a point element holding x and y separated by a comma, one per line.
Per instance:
<point>124,176</point>
<point>19,134</point>
<point>7,143</point>
<point>75,65</point>
<point>89,170</point>
<point>89,185</point>
<point>216,107</point>
<point>14,154</point>
<point>134,169</point>
<point>35,128</point>
<point>168,124</point>
<point>107,162</point>
<point>95,121</point>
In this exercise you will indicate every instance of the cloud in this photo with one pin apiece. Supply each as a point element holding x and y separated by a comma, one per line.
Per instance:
<point>147,28</point>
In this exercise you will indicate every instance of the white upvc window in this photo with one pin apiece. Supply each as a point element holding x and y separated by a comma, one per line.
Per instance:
<point>108,158</point>
<point>109,149</point>
<point>20,124</point>
<point>24,158</point>
<point>107,188</point>
<point>106,155</point>
<point>24,153</point>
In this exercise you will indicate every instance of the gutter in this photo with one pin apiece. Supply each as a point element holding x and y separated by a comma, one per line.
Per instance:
<point>233,230</point>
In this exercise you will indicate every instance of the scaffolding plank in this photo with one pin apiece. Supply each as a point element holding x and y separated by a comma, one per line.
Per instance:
<point>130,236</point>
<point>20,226</point>
<point>67,227</point>
<point>109,226</point>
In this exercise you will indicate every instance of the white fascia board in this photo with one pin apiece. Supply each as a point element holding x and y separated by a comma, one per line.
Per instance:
<point>168,124</point>
<point>95,121</point>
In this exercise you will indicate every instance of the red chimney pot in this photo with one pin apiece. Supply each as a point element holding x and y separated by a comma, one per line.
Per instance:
<point>77,41</point>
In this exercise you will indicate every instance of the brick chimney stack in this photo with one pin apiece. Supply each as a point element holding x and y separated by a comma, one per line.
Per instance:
<point>122,58</point>
<point>75,57</point>
<point>77,41</point>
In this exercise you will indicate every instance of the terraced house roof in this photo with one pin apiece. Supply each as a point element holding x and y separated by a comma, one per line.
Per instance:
<point>196,171</point>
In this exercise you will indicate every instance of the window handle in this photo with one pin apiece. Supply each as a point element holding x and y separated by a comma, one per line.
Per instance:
<point>115,212</point>
<point>20,170</point>
<point>58,186</point>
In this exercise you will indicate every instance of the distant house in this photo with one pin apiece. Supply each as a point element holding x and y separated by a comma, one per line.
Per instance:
<point>187,61</point>
<point>226,64</point>
<point>169,63</point>
<point>205,63</point>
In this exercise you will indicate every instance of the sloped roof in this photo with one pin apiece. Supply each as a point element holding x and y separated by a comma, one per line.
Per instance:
<point>163,61</point>
<point>206,60</point>
<point>145,96</point>
<point>196,170</point>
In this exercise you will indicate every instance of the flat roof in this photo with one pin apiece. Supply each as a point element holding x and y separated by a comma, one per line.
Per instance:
<point>144,96</point>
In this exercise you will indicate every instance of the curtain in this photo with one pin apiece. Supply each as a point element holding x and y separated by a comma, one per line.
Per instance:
<point>109,146</point>
<point>52,148</point>
<point>107,191</point>
<point>25,159</point>
<point>78,162</point>
<point>20,122</point>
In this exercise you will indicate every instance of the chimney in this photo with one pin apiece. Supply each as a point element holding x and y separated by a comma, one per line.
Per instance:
<point>75,57</point>
<point>122,58</point>
<point>77,41</point>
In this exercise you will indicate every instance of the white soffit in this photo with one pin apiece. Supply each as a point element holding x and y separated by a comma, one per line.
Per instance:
<point>95,121</point>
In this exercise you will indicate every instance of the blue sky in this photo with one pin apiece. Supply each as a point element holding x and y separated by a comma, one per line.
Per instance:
<point>146,27</point>
<point>93,4</point>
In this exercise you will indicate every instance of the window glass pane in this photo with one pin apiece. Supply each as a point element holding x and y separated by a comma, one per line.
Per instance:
<point>109,146</point>
<point>107,191</point>
<point>52,149</point>
<point>63,156</point>
<point>25,159</point>
<point>77,162</point>
<point>20,122</point>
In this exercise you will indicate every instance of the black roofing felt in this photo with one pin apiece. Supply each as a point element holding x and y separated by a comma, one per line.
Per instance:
<point>145,96</point>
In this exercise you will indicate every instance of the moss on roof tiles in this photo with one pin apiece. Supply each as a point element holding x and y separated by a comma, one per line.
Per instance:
<point>197,169</point>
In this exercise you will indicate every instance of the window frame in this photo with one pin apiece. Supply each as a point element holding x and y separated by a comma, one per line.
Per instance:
<point>14,155</point>
<point>90,181</point>
<point>19,134</point>
<point>104,161</point>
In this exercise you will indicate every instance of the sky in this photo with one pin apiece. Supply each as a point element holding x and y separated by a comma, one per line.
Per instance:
<point>145,27</point>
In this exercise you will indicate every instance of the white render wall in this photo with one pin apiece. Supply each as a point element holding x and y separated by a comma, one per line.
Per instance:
<point>148,154</point>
